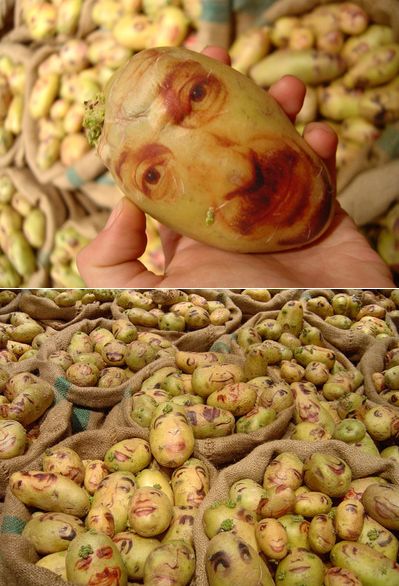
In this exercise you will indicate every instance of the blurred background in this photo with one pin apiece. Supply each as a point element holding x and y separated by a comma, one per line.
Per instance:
<point>55,194</point>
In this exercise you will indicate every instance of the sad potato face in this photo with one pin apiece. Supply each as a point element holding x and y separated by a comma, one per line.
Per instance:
<point>201,148</point>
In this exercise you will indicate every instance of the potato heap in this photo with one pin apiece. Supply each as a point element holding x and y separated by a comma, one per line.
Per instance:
<point>6,297</point>
<point>106,358</point>
<point>138,513</point>
<point>349,64</point>
<point>21,337</point>
<point>22,235</point>
<point>386,382</point>
<point>68,242</point>
<point>171,310</point>
<point>24,398</point>
<point>75,297</point>
<point>12,86</point>
<point>308,522</point>
<point>46,20</point>
<point>361,311</point>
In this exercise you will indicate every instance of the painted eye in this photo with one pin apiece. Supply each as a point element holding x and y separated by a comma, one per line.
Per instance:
<point>152,176</point>
<point>198,92</point>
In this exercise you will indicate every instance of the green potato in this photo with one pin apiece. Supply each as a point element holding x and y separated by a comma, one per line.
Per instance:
<point>299,567</point>
<point>157,479</point>
<point>171,436</point>
<point>350,430</point>
<point>247,493</point>
<point>269,329</point>
<point>50,492</point>
<point>13,439</point>
<point>134,551</point>
<point>207,421</point>
<point>371,567</point>
<point>277,396</point>
<point>150,511</point>
<point>155,380</point>
<point>312,503</point>
<point>190,483</point>
<point>349,518</point>
<point>321,534</point>
<point>143,407</point>
<point>131,455</point>
<point>277,501</point>
<point>339,576</point>
<point>64,461</point>
<point>177,383</point>
<point>222,515</point>
<point>55,562</point>
<point>391,452</point>
<point>187,400</point>
<point>230,560</point>
<point>94,558</point>
<point>52,532</point>
<point>327,474</point>
<point>159,567</point>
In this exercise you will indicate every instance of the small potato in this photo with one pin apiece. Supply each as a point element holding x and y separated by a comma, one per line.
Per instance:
<point>222,515</point>
<point>349,517</point>
<point>272,538</point>
<point>131,455</point>
<point>300,567</point>
<point>211,378</point>
<point>150,511</point>
<point>255,419</point>
<point>95,472</point>
<point>247,493</point>
<point>207,421</point>
<point>321,534</point>
<point>93,558</point>
<point>52,532</point>
<point>134,551</point>
<point>312,503</point>
<point>115,492</point>
<point>376,536</point>
<point>181,525</point>
<point>327,474</point>
<point>190,483</point>
<point>156,479</point>
<point>285,469</point>
<point>311,432</point>
<point>350,430</point>
<point>100,519</point>
<point>50,492</point>
<point>277,396</point>
<point>12,439</point>
<point>179,572</point>
<point>238,398</point>
<point>171,436</point>
<point>64,461</point>
<point>55,562</point>
<point>297,529</point>
<point>230,560</point>
<point>278,501</point>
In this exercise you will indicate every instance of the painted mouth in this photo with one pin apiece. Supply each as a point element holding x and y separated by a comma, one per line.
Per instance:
<point>144,511</point>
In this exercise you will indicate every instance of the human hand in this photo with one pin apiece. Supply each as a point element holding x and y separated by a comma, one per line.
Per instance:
<point>342,257</point>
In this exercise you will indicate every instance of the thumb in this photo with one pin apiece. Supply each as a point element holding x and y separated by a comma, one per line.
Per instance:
<point>110,260</point>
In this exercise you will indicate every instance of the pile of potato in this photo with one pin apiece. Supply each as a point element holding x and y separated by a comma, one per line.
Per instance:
<point>308,522</point>
<point>12,87</point>
<point>349,64</point>
<point>21,337</point>
<point>125,514</point>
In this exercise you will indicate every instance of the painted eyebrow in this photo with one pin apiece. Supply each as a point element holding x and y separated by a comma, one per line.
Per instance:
<point>151,151</point>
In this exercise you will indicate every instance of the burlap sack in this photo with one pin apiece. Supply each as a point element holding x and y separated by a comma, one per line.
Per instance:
<point>198,340</point>
<point>85,169</point>
<point>6,14</point>
<point>58,318</point>
<point>89,397</point>
<point>18,54</point>
<point>254,465</point>
<point>55,425</point>
<point>21,34</point>
<point>220,450</point>
<point>17,556</point>
<point>250,307</point>
<point>47,199</point>
<point>373,361</point>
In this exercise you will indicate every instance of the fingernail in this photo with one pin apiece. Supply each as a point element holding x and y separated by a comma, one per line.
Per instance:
<point>116,212</point>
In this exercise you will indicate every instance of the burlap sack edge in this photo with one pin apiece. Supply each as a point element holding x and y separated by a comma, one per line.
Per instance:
<point>197,340</point>
<point>20,54</point>
<point>14,304</point>
<point>250,307</point>
<point>88,166</point>
<point>373,361</point>
<point>15,514</point>
<point>253,466</point>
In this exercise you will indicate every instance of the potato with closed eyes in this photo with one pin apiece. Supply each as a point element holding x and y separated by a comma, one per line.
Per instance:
<point>207,152</point>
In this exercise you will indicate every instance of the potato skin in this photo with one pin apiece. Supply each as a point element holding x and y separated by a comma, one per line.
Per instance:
<point>283,197</point>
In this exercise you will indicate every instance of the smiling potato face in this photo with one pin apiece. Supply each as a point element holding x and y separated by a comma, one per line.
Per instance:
<point>204,150</point>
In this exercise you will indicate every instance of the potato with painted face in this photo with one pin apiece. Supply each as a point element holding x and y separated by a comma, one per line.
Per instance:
<point>95,472</point>
<point>114,492</point>
<point>272,538</point>
<point>297,529</point>
<point>247,493</point>
<point>327,474</point>
<point>273,192</point>
<point>285,469</point>
<point>211,378</point>
<point>300,567</point>
<point>382,504</point>
<point>51,532</point>
<point>134,551</point>
<point>130,455</point>
<point>64,461</point>
<point>12,439</point>
<point>93,558</point>
<point>376,536</point>
<point>371,567</point>
<point>190,483</point>
<point>150,511</point>
<point>170,563</point>
<point>181,525</point>
<point>157,479</point>
<point>171,437</point>
<point>230,560</point>
<point>55,562</point>
<point>101,520</point>
<point>321,534</point>
<point>207,421</point>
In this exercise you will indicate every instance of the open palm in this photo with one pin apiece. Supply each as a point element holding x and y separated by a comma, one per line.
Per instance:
<point>342,257</point>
